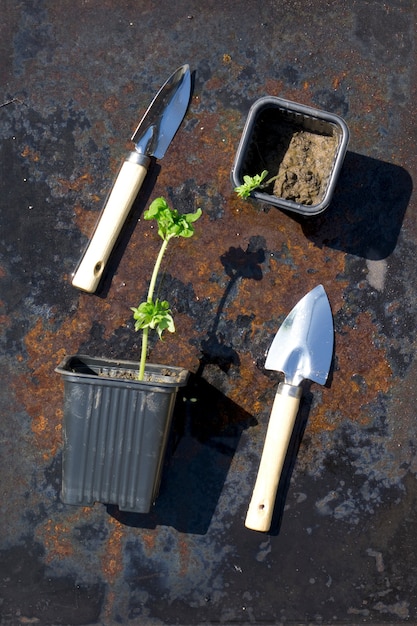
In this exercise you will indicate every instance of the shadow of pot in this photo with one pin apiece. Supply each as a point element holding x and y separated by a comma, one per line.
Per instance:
<point>115,431</point>
<point>302,149</point>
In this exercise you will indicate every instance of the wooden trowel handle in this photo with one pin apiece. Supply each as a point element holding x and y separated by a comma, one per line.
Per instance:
<point>280,427</point>
<point>114,214</point>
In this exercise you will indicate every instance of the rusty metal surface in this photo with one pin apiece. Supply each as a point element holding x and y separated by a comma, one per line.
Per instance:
<point>75,78</point>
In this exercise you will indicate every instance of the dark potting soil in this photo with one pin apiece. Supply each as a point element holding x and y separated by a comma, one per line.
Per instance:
<point>305,168</point>
<point>152,377</point>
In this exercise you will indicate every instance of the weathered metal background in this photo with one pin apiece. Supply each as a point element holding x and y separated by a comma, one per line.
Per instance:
<point>75,78</point>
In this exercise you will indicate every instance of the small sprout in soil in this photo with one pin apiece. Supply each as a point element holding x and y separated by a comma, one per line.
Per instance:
<point>156,314</point>
<point>253,182</point>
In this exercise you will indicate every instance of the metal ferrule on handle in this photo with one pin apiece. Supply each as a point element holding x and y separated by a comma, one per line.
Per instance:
<point>280,428</point>
<point>114,214</point>
<point>285,389</point>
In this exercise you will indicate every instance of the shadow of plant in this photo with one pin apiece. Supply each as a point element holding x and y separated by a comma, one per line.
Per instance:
<point>238,264</point>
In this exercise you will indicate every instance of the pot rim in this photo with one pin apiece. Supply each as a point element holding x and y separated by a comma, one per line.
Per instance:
<point>72,365</point>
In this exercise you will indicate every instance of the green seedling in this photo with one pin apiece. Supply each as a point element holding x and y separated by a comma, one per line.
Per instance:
<point>156,314</point>
<point>253,182</point>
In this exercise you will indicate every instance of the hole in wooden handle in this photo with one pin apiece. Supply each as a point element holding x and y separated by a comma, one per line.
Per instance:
<point>98,268</point>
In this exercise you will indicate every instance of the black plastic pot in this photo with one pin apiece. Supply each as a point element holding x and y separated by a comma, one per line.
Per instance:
<point>270,125</point>
<point>115,431</point>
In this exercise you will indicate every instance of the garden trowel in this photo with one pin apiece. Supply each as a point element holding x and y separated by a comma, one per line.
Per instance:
<point>152,137</point>
<point>302,349</point>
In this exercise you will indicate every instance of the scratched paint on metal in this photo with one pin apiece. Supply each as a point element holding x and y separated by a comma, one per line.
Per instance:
<point>351,497</point>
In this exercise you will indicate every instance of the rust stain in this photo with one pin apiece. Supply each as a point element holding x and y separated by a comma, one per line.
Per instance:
<point>112,558</point>
<point>184,555</point>
<point>39,424</point>
<point>57,541</point>
<point>214,83</point>
<point>112,565</point>
<point>86,220</point>
<point>292,266</point>
<point>57,538</point>
<point>281,89</point>
<point>210,138</point>
<point>111,105</point>
<point>252,384</point>
<point>31,154</point>
<point>130,87</point>
<point>35,393</point>
<point>4,321</point>
<point>235,68</point>
<point>337,80</point>
<point>149,542</point>
<point>39,383</point>
<point>274,87</point>
<point>362,373</point>
<point>77,184</point>
<point>167,351</point>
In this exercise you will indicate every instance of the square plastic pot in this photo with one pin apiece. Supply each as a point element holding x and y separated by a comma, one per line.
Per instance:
<point>268,136</point>
<point>115,431</point>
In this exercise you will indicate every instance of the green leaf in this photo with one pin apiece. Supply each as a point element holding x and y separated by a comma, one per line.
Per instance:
<point>155,315</point>
<point>170,222</point>
<point>250,183</point>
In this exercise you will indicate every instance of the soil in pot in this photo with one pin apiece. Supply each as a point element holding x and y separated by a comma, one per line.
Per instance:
<point>151,377</point>
<point>300,159</point>
<point>123,370</point>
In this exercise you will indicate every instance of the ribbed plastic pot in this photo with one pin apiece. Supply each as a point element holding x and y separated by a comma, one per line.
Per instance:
<point>115,431</point>
<point>263,131</point>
